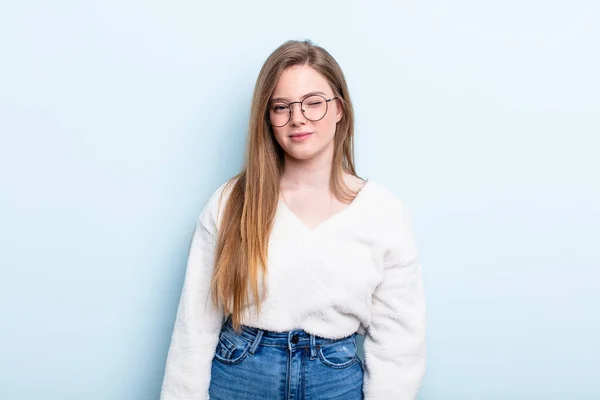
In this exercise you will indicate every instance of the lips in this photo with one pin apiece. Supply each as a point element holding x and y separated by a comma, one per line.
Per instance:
<point>300,134</point>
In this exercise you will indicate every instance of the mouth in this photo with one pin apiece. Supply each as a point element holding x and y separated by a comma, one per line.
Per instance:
<point>300,135</point>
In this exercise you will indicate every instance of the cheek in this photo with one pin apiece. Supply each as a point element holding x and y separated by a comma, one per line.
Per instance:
<point>279,134</point>
<point>327,125</point>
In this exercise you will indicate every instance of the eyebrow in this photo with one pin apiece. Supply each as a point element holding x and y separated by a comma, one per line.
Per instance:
<point>284,99</point>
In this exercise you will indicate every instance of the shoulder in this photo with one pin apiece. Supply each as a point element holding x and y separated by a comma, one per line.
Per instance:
<point>383,199</point>
<point>212,211</point>
<point>392,220</point>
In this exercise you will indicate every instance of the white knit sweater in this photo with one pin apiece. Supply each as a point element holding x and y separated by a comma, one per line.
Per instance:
<point>356,272</point>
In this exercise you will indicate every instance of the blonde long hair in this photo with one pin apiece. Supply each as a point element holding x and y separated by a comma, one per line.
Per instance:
<point>242,246</point>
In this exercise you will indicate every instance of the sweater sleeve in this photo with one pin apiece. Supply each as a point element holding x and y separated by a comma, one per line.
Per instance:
<point>395,339</point>
<point>198,322</point>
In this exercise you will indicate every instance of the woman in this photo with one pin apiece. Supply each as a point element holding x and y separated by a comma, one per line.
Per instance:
<point>295,256</point>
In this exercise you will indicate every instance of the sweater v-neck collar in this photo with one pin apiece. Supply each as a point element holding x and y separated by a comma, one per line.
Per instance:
<point>329,220</point>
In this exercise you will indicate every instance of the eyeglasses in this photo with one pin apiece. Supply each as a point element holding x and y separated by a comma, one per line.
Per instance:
<point>313,108</point>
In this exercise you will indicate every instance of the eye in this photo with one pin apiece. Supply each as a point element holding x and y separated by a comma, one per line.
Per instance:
<point>279,108</point>
<point>313,102</point>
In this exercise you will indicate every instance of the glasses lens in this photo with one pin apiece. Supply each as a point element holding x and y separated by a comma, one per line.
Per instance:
<point>279,114</point>
<point>314,107</point>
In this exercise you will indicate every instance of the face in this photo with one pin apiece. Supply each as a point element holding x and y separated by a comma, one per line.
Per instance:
<point>301,138</point>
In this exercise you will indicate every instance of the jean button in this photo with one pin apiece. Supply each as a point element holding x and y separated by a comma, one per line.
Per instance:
<point>295,339</point>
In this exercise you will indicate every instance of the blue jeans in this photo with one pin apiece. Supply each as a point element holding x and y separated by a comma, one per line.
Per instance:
<point>255,364</point>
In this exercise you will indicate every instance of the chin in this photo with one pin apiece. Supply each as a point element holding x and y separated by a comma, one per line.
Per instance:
<point>308,151</point>
<point>303,155</point>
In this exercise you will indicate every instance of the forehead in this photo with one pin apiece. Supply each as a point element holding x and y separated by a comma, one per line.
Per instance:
<point>299,80</point>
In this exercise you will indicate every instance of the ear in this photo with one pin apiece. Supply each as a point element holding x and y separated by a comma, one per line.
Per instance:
<point>339,111</point>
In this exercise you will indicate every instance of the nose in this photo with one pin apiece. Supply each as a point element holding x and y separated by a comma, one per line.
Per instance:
<point>297,117</point>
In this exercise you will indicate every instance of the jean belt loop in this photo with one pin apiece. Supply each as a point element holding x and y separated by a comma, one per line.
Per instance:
<point>313,347</point>
<point>256,341</point>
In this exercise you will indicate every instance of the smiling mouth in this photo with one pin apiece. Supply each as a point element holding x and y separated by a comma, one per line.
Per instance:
<point>300,135</point>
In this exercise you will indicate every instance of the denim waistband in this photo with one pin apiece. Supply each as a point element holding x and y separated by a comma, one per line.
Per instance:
<point>296,338</point>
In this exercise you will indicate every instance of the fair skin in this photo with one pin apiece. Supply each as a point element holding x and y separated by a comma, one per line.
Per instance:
<point>305,182</point>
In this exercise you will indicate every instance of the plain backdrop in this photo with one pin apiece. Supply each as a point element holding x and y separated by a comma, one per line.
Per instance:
<point>119,118</point>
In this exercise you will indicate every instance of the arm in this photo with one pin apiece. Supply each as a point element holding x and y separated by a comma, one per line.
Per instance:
<point>395,339</point>
<point>198,322</point>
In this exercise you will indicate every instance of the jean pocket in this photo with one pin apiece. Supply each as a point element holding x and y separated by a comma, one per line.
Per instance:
<point>231,348</point>
<point>340,354</point>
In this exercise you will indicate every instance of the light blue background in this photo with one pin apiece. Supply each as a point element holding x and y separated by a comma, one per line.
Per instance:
<point>119,118</point>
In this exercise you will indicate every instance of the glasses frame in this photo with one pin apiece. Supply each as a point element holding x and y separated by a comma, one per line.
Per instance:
<point>289,105</point>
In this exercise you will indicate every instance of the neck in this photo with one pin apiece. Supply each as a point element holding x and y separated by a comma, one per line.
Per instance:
<point>314,174</point>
